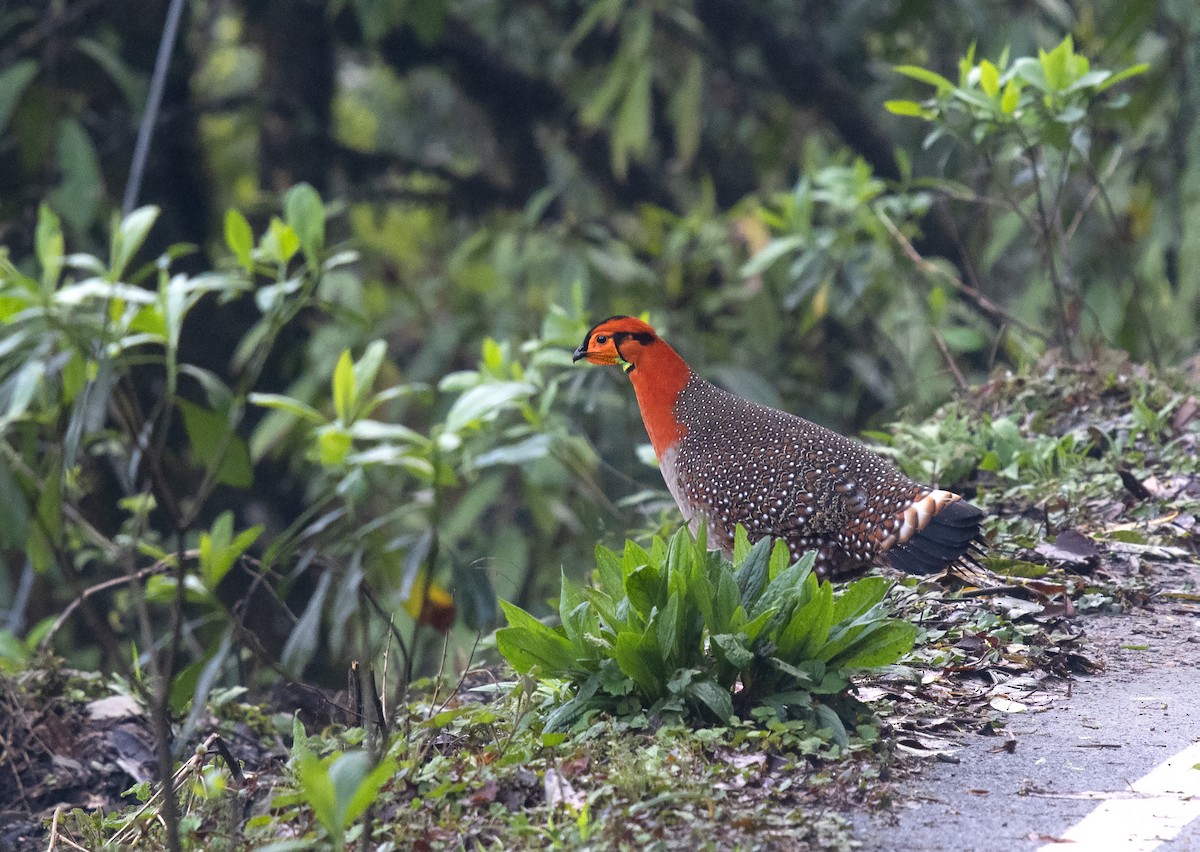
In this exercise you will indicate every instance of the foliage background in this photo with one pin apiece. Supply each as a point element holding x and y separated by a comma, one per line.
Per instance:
<point>509,172</point>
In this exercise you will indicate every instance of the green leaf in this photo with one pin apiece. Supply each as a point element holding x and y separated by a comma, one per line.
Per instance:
<point>571,609</point>
<point>667,626</point>
<point>712,696</point>
<point>1011,97</point>
<point>1055,64</point>
<point>356,784</point>
<point>752,573</point>
<point>726,603</point>
<point>828,718</point>
<point>428,19</point>
<point>128,238</point>
<point>567,714</point>
<point>787,586</point>
<point>240,239</point>
<point>771,253</point>
<point>909,108</point>
<point>741,544</point>
<point>808,627</point>
<point>1131,71</point>
<point>882,647</point>
<point>367,367</point>
<point>78,193</point>
<point>289,404</point>
<point>685,110</point>
<point>14,508</point>
<point>132,84</point>
<point>755,626</point>
<point>527,643</point>
<point>219,549</point>
<point>608,571</point>
<point>21,387</point>
<point>317,788</point>
<point>859,597</point>
<point>924,75</point>
<point>631,133</point>
<point>485,402</point>
<point>637,656</point>
<point>48,239</point>
<point>280,243</point>
<point>849,638</point>
<point>207,432</point>
<point>734,649</point>
<point>333,445</point>
<point>989,79</point>
<point>301,644</point>
<point>14,80</point>
<point>780,559</point>
<point>44,536</point>
<point>305,214</point>
<point>521,453</point>
<point>345,395</point>
<point>183,686</point>
<point>597,107</point>
<point>605,610</point>
<point>645,586</point>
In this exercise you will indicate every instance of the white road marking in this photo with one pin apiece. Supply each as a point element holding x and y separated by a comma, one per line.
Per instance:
<point>1168,799</point>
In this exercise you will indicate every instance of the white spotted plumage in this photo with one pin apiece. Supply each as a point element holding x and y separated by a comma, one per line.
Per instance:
<point>783,476</point>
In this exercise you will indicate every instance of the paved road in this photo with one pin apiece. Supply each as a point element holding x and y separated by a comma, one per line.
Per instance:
<point>1089,748</point>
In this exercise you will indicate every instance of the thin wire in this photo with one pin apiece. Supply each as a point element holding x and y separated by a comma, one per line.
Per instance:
<point>141,149</point>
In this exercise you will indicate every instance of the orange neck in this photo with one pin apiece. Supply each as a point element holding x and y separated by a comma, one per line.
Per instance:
<point>658,378</point>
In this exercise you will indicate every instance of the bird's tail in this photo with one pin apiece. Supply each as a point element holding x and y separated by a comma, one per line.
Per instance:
<point>950,536</point>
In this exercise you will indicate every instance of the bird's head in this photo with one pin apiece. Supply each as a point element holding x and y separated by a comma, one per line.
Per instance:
<point>617,340</point>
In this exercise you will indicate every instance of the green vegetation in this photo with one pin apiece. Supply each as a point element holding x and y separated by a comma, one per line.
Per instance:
<point>306,402</point>
<point>678,631</point>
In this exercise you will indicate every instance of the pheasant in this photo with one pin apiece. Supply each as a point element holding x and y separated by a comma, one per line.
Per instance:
<point>729,461</point>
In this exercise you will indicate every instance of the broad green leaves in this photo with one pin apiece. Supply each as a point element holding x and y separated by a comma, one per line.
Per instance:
<point>686,632</point>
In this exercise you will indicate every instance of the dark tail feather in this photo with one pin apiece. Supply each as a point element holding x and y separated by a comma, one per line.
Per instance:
<point>952,537</point>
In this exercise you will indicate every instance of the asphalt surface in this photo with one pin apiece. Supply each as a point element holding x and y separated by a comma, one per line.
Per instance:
<point>1089,747</point>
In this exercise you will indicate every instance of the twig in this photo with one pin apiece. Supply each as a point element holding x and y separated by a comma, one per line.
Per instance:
<point>189,766</point>
<point>1061,287</point>
<point>959,378</point>
<point>462,678</point>
<point>146,129</point>
<point>387,660</point>
<point>54,829</point>
<point>997,313</point>
<point>365,591</point>
<point>157,568</point>
<point>48,26</point>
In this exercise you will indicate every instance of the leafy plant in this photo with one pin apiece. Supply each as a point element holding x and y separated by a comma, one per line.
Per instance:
<point>338,787</point>
<point>1030,120</point>
<point>833,249</point>
<point>678,630</point>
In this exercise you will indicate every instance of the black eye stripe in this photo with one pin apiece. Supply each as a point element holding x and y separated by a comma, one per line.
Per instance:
<point>641,337</point>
